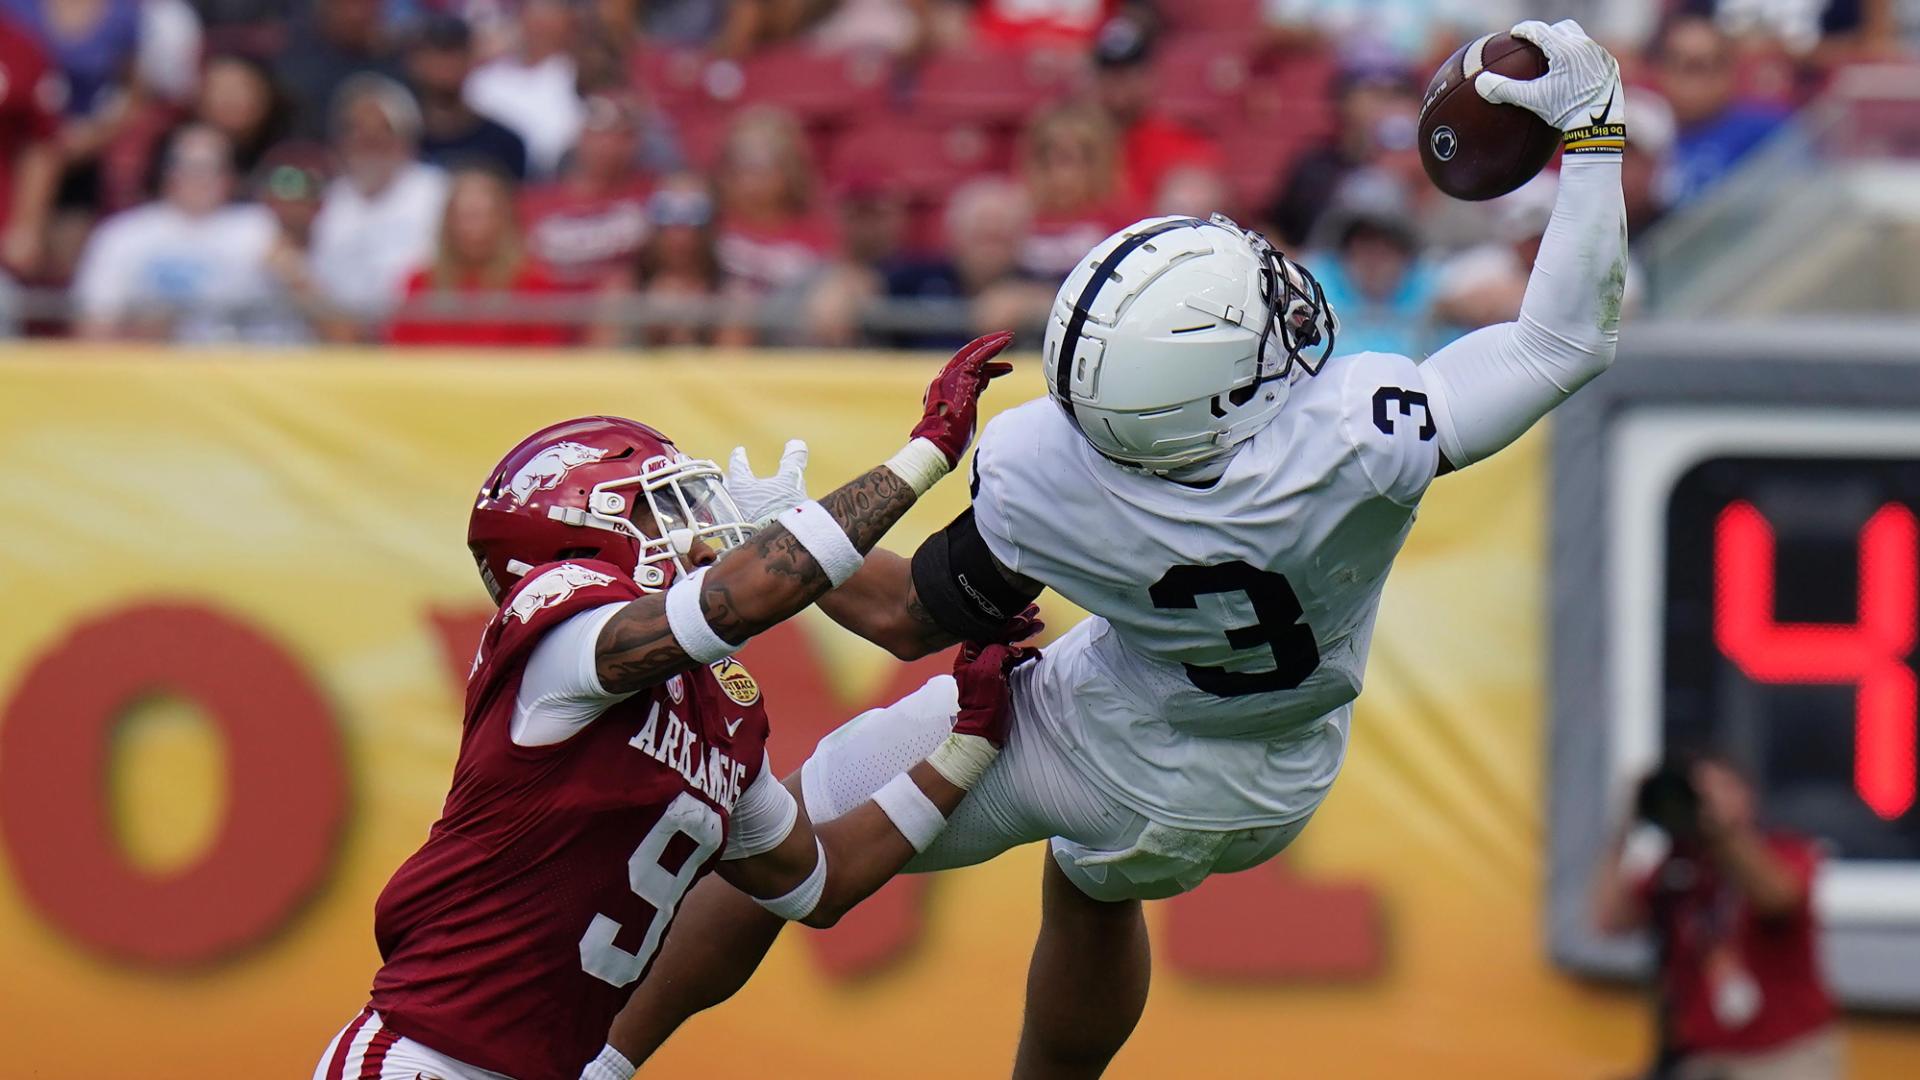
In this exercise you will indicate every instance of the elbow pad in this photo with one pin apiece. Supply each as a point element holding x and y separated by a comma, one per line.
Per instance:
<point>958,580</point>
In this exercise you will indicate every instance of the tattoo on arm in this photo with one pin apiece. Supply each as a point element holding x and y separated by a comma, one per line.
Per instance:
<point>868,507</point>
<point>763,583</point>
<point>637,648</point>
<point>864,509</point>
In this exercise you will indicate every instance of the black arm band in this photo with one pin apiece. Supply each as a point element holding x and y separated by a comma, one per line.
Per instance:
<point>961,585</point>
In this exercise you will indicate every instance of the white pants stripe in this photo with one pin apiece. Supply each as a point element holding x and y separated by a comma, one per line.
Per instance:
<point>376,1052</point>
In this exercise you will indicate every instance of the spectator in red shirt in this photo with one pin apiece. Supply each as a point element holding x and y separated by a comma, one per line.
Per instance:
<point>1151,142</point>
<point>30,95</point>
<point>591,222</point>
<point>1027,24</point>
<point>479,260</point>
<point>1069,161</point>
<point>1731,912</point>
<point>772,236</point>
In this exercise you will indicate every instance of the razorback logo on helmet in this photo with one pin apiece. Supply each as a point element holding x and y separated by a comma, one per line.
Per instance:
<point>733,679</point>
<point>549,467</point>
<point>553,587</point>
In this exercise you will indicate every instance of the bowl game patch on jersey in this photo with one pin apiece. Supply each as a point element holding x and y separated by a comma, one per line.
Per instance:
<point>733,679</point>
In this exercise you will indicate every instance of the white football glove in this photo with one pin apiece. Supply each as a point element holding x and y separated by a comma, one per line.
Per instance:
<point>763,498</point>
<point>1580,91</point>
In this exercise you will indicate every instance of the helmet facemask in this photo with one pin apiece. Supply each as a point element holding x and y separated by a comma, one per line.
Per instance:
<point>1301,326</point>
<point>688,503</point>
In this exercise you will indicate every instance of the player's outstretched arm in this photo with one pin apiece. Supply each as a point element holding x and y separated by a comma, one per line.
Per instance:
<point>883,604</point>
<point>1489,387</point>
<point>818,874</point>
<point>805,552</point>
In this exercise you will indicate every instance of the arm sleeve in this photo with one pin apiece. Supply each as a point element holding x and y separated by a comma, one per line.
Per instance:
<point>764,816</point>
<point>959,582</point>
<point>1490,386</point>
<point>561,692</point>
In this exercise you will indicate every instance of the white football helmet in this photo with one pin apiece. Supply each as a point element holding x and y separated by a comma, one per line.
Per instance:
<point>1175,339</point>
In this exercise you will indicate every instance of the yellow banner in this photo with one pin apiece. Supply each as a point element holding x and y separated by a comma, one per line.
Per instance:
<point>239,609</point>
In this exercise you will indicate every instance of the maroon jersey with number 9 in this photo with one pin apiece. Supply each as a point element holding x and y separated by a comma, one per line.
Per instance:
<point>513,936</point>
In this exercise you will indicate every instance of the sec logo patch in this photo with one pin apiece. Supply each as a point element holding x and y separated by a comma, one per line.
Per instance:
<point>735,681</point>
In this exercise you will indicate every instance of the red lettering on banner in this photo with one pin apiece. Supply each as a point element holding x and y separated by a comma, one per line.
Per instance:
<point>286,783</point>
<point>1870,653</point>
<point>1270,923</point>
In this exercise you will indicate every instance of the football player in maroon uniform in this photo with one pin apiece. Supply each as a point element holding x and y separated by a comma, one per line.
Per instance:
<point>612,751</point>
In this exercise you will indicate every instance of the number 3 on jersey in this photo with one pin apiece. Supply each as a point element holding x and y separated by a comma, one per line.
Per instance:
<point>1277,609</point>
<point>654,883</point>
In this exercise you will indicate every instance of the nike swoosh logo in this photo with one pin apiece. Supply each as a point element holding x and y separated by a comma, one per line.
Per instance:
<point>1600,113</point>
<point>734,725</point>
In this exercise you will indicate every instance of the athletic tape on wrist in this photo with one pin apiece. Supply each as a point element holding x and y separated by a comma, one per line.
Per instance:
<point>1595,139</point>
<point>910,811</point>
<point>689,623</point>
<point>921,464</point>
<point>824,539</point>
<point>963,759</point>
<point>610,1065</point>
<point>805,896</point>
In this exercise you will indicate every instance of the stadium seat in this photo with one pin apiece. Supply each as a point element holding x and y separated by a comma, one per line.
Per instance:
<point>817,87</point>
<point>917,158</point>
<point>1203,78</point>
<point>1239,16</point>
<point>993,86</point>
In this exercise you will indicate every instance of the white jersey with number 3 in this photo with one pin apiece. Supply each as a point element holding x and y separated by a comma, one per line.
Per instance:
<point>1230,623</point>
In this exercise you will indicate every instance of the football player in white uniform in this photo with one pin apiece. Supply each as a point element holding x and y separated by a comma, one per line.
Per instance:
<point>1227,504</point>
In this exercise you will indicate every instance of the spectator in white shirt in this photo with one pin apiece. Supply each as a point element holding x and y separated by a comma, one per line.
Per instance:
<point>534,89</point>
<point>188,266</point>
<point>378,222</point>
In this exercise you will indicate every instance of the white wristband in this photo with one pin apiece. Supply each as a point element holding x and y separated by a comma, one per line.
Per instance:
<point>910,811</point>
<point>799,903</point>
<point>689,623</point>
<point>824,539</point>
<point>963,759</point>
<point>921,464</point>
<point>610,1065</point>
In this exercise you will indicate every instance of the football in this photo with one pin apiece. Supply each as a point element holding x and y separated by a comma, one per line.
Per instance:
<point>1472,148</point>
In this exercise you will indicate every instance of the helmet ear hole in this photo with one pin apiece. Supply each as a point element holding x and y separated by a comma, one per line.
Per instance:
<point>1244,394</point>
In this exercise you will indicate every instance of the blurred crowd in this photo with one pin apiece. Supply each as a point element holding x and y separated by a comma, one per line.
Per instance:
<point>794,172</point>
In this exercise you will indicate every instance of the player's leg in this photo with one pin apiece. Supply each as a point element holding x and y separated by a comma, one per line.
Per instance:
<point>719,936</point>
<point>1086,985</point>
<point>1087,982</point>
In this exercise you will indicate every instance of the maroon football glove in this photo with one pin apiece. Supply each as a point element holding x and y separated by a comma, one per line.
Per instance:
<point>953,399</point>
<point>985,702</point>
<point>1021,627</point>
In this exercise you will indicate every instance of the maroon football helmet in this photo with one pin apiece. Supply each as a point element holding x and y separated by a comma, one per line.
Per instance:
<point>564,493</point>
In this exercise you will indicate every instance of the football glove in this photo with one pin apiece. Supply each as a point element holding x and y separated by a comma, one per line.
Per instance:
<point>953,400</point>
<point>1580,93</point>
<point>760,499</point>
